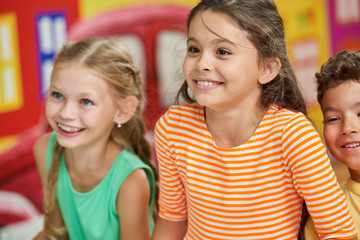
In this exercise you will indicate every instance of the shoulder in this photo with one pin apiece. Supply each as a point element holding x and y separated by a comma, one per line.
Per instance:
<point>135,181</point>
<point>42,141</point>
<point>130,160</point>
<point>40,152</point>
<point>183,110</point>
<point>180,114</point>
<point>128,163</point>
<point>288,118</point>
<point>41,145</point>
<point>135,187</point>
<point>284,113</point>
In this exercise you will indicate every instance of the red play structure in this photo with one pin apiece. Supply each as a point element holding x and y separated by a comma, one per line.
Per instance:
<point>148,31</point>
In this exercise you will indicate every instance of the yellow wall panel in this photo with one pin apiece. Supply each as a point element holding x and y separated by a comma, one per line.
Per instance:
<point>306,19</point>
<point>10,89</point>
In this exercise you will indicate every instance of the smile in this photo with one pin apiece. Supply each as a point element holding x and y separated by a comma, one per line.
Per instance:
<point>352,145</point>
<point>68,129</point>
<point>205,83</point>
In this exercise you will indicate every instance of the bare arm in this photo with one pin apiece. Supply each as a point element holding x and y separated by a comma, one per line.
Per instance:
<point>133,207</point>
<point>40,150</point>
<point>169,230</point>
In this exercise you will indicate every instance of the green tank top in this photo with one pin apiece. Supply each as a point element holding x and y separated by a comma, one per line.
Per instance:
<point>93,215</point>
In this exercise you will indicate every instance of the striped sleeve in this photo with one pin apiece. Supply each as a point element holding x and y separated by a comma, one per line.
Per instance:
<point>172,198</point>
<point>315,180</point>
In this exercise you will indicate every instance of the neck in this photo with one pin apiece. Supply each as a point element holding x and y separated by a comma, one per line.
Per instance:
<point>88,159</point>
<point>233,128</point>
<point>354,175</point>
<point>87,168</point>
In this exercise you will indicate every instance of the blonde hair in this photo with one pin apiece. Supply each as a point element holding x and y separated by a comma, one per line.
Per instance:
<point>110,60</point>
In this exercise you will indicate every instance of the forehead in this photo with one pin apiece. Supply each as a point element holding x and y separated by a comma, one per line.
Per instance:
<point>221,26</point>
<point>77,75</point>
<point>343,95</point>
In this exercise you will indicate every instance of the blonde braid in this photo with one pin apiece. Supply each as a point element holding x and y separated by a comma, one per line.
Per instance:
<point>52,232</point>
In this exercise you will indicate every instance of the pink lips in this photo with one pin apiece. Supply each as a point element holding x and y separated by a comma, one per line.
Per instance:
<point>68,131</point>
<point>351,147</point>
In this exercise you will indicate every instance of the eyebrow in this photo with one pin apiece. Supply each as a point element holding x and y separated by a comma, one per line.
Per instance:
<point>219,40</point>
<point>328,109</point>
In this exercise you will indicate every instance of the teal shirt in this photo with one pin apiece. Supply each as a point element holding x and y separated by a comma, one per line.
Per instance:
<point>93,215</point>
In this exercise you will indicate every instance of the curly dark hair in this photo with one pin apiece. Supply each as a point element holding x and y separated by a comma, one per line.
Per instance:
<point>341,67</point>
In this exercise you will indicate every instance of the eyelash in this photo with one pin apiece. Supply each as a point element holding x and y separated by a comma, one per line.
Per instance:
<point>224,52</point>
<point>84,101</point>
<point>56,95</point>
<point>331,120</point>
<point>88,102</point>
<point>193,49</point>
<point>220,51</point>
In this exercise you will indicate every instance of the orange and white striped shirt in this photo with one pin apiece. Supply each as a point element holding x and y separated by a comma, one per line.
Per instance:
<point>253,191</point>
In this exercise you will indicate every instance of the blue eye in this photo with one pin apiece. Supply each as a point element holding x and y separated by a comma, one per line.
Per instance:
<point>57,95</point>
<point>86,102</point>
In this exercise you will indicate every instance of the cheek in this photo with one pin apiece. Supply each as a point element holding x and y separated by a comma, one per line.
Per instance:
<point>50,109</point>
<point>187,66</point>
<point>330,134</point>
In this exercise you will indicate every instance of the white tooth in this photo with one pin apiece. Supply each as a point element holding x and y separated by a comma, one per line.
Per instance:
<point>205,83</point>
<point>68,129</point>
<point>352,145</point>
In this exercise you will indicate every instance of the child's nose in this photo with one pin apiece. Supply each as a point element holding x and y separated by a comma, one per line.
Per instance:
<point>68,111</point>
<point>204,63</point>
<point>351,126</point>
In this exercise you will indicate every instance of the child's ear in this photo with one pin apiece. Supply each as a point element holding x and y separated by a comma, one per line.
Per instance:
<point>126,109</point>
<point>269,69</point>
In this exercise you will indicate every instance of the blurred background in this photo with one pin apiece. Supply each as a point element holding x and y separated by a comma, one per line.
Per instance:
<point>31,32</point>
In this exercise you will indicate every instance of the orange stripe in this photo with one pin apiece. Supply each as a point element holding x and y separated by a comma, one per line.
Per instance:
<point>215,176</point>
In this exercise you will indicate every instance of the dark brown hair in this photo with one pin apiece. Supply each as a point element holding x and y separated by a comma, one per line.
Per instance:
<point>265,29</point>
<point>341,67</point>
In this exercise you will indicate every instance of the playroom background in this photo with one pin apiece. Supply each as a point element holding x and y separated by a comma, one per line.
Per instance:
<point>31,32</point>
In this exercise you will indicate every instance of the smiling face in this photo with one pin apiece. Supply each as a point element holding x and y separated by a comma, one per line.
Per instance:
<point>341,108</point>
<point>221,65</point>
<point>80,106</point>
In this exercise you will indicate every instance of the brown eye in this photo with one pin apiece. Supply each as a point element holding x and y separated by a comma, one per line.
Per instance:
<point>222,52</point>
<point>193,50</point>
